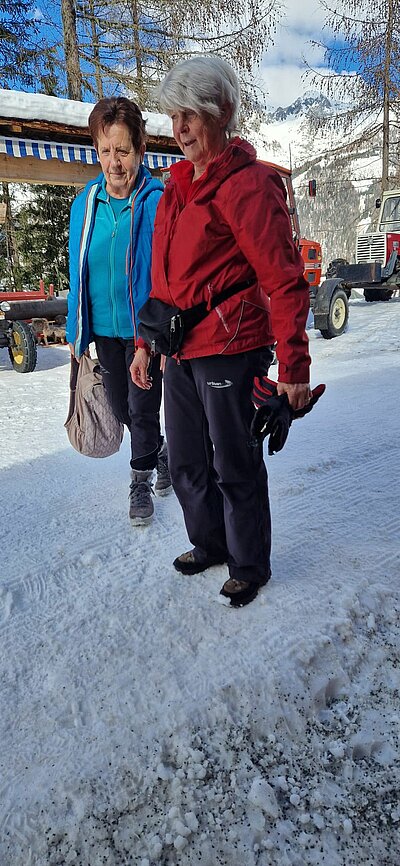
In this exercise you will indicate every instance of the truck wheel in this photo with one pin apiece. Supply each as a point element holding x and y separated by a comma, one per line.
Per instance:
<point>22,350</point>
<point>338,315</point>
<point>376,295</point>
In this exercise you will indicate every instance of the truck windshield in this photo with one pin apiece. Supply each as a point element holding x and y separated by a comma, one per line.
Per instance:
<point>390,220</point>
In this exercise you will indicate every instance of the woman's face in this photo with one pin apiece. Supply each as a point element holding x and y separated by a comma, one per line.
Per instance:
<point>199,139</point>
<point>118,159</point>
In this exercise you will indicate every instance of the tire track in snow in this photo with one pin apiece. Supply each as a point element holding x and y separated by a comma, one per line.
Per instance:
<point>341,475</point>
<point>313,511</point>
<point>116,548</point>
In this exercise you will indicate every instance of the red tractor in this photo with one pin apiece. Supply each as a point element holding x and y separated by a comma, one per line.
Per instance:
<point>310,250</point>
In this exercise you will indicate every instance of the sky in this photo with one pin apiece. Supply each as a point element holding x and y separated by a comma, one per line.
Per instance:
<point>283,66</point>
<point>282,69</point>
<point>144,723</point>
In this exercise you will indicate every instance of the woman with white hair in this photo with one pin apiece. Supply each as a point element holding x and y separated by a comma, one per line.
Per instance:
<point>222,223</point>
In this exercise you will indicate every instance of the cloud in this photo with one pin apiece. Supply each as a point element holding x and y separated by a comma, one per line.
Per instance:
<point>37,15</point>
<point>283,84</point>
<point>283,68</point>
<point>307,15</point>
<point>292,46</point>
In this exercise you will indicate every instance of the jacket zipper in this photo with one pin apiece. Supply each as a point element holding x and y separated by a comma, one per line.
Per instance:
<point>112,268</point>
<point>129,262</point>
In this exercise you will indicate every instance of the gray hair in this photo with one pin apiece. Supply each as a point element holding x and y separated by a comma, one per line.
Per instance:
<point>203,84</point>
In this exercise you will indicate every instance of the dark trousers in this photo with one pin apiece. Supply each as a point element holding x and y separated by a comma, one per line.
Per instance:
<point>138,409</point>
<point>217,470</point>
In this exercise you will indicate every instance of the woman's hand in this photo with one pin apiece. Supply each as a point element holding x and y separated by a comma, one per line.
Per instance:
<point>299,394</point>
<point>73,355</point>
<point>139,370</point>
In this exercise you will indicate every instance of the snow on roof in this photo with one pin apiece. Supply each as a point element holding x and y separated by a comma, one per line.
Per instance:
<point>36,106</point>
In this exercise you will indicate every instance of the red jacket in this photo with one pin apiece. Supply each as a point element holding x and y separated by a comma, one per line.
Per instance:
<point>231,225</point>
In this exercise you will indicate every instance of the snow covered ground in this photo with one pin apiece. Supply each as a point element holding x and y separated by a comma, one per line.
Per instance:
<point>144,723</point>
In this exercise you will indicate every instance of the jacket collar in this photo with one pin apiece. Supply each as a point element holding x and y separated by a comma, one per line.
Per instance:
<point>236,155</point>
<point>142,175</point>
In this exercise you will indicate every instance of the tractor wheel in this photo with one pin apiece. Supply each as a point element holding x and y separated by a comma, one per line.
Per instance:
<point>376,295</point>
<point>22,351</point>
<point>338,315</point>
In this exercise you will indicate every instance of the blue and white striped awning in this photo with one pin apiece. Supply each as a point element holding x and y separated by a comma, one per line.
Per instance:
<point>160,160</point>
<point>73,152</point>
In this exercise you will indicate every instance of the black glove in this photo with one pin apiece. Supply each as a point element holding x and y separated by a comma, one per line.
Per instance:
<point>273,418</point>
<point>274,414</point>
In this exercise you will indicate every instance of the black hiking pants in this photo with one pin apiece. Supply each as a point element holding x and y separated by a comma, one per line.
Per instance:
<point>138,409</point>
<point>217,470</point>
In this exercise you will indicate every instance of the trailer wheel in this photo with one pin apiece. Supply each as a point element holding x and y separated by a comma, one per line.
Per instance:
<point>376,295</point>
<point>22,350</point>
<point>338,315</point>
<point>331,270</point>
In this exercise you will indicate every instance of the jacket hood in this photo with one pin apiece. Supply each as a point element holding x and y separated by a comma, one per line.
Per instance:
<point>236,155</point>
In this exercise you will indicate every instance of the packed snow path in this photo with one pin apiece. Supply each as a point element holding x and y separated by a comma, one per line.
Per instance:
<point>144,723</point>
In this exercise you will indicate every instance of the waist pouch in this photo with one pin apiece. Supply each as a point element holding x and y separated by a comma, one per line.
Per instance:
<point>163,327</point>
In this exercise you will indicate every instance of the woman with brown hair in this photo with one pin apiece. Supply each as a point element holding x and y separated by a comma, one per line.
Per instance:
<point>111,230</point>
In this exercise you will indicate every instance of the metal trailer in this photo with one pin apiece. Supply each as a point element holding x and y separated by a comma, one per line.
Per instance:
<point>376,271</point>
<point>18,313</point>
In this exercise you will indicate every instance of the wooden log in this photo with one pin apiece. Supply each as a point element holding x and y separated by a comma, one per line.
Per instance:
<point>37,309</point>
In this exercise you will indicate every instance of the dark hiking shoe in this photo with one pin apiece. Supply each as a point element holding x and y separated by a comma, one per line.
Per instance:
<point>163,483</point>
<point>241,592</point>
<point>141,508</point>
<point>187,563</point>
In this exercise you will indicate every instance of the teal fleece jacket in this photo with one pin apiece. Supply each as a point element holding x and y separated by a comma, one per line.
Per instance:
<point>143,204</point>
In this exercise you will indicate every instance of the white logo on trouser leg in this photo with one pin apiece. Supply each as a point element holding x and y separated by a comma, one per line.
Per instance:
<point>226,384</point>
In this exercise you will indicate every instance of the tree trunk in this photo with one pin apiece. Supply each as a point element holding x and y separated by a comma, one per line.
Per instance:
<point>74,76</point>
<point>11,243</point>
<point>96,53</point>
<point>138,52</point>
<point>386,97</point>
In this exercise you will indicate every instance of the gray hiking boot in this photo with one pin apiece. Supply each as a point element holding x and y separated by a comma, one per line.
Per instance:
<point>141,508</point>
<point>163,483</point>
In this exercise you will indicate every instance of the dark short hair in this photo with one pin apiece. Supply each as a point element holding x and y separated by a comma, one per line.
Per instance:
<point>118,109</point>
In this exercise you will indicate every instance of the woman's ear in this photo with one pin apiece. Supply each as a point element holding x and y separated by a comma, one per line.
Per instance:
<point>142,152</point>
<point>226,114</point>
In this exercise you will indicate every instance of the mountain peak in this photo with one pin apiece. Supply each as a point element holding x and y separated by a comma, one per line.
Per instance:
<point>314,103</point>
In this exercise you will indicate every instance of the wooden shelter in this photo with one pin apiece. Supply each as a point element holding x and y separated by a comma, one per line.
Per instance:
<point>36,148</point>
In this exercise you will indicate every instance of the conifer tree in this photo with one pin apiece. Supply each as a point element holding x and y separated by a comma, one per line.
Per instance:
<point>22,51</point>
<point>41,227</point>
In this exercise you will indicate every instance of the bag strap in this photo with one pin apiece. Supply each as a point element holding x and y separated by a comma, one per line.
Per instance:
<point>78,368</point>
<point>231,290</point>
<point>72,387</point>
<point>196,314</point>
